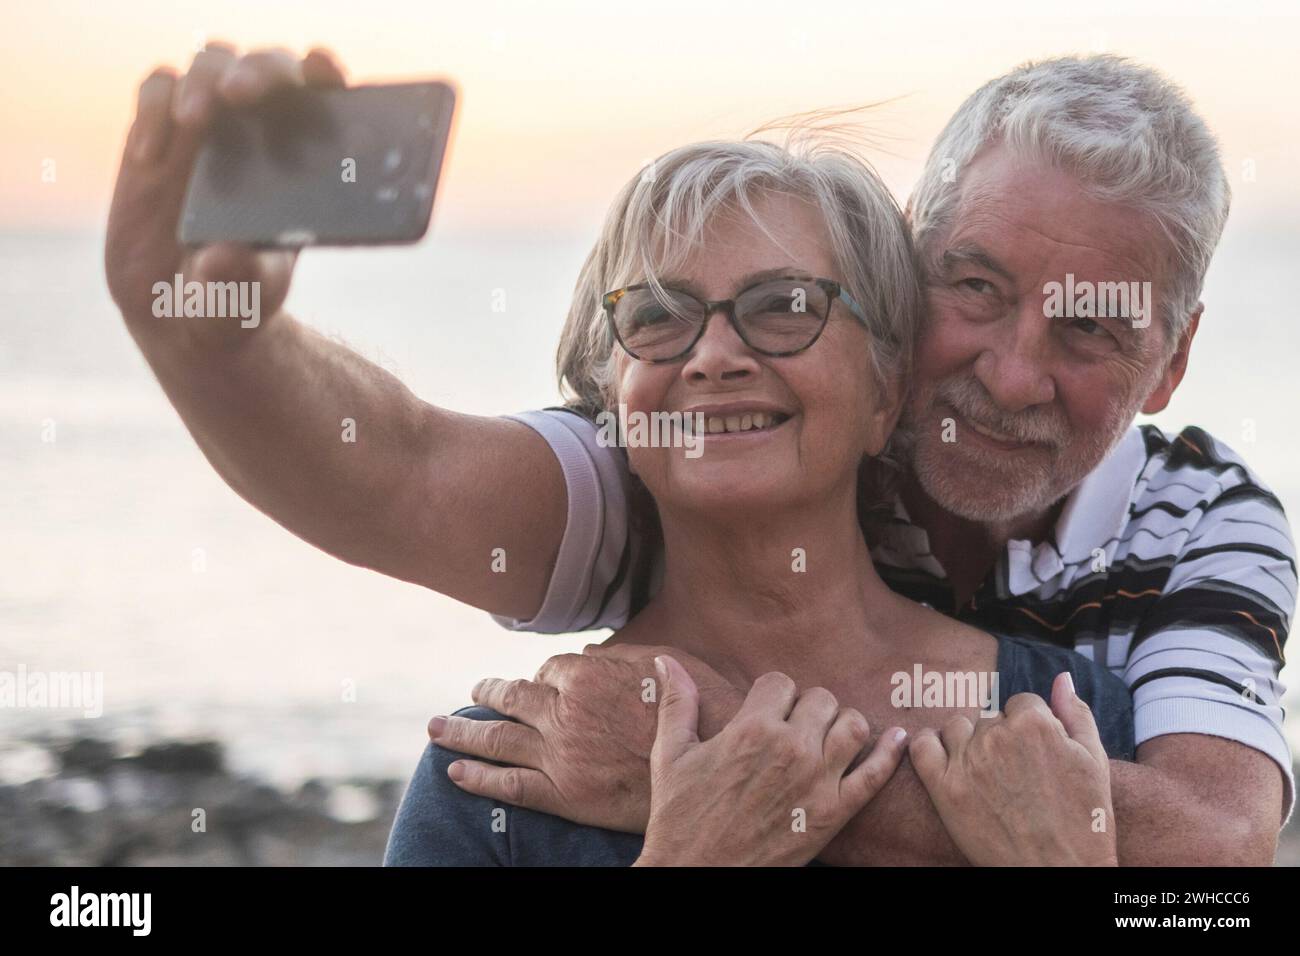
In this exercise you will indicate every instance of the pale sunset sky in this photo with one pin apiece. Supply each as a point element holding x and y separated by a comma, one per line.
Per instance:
<point>562,102</point>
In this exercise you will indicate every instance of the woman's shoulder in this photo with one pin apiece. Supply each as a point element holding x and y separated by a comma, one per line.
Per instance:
<point>475,712</point>
<point>1026,665</point>
<point>1029,666</point>
<point>439,824</point>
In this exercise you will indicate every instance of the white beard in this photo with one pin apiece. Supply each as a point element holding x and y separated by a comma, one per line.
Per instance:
<point>979,484</point>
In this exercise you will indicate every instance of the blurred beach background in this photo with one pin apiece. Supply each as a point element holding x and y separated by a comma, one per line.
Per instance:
<point>231,649</point>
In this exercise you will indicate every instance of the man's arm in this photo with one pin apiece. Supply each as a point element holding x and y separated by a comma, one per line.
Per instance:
<point>1190,800</point>
<point>582,753</point>
<point>1212,777</point>
<point>1193,800</point>
<point>420,493</point>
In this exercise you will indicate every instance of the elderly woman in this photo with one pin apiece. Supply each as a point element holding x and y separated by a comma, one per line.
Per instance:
<point>766,294</point>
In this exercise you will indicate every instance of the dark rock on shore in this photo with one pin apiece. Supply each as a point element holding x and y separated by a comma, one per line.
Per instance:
<point>202,757</point>
<point>176,804</point>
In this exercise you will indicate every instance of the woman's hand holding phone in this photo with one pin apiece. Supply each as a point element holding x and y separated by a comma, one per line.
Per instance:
<point>173,113</point>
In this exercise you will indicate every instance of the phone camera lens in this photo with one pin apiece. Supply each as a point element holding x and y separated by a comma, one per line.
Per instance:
<point>392,161</point>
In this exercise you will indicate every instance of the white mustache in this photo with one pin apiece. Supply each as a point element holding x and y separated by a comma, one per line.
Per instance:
<point>970,400</point>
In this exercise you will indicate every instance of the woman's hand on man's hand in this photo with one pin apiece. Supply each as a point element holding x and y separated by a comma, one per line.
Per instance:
<point>580,748</point>
<point>1028,787</point>
<point>772,788</point>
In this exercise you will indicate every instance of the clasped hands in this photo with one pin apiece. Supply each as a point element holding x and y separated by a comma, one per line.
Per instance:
<point>652,740</point>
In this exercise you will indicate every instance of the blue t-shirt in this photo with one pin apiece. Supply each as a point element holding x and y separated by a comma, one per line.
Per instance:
<point>438,824</point>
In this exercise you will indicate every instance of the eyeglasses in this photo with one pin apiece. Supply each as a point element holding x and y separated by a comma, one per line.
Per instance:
<point>775,317</point>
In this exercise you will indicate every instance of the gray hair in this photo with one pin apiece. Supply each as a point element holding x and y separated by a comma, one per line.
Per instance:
<point>1128,133</point>
<point>659,218</point>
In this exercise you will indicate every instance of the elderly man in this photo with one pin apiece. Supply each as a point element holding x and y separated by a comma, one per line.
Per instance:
<point>1030,505</point>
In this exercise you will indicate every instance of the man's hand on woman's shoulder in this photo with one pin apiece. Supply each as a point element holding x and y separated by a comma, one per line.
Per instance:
<point>579,744</point>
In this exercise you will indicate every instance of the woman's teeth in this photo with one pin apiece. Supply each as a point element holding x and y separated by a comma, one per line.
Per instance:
<point>719,424</point>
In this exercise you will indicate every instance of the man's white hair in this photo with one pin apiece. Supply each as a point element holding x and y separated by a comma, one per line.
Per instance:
<point>1129,135</point>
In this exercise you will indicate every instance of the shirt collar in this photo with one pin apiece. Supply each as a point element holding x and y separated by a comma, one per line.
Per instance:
<point>1090,523</point>
<point>1096,512</point>
<point>1092,519</point>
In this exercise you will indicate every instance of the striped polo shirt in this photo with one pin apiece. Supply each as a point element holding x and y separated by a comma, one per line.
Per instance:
<point>1171,563</point>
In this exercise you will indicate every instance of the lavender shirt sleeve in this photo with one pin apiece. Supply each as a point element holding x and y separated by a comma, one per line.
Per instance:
<point>589,586</point>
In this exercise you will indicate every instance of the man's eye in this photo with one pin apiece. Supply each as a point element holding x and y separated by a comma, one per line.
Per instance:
<point>1093,335</point>
<point>978,286</point>
<point>1090,327</point>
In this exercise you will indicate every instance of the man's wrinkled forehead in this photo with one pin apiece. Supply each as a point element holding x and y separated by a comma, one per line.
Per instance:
<point>1014,215</point>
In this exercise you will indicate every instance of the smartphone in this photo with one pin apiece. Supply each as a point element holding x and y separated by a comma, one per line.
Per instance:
<point>308,167</point>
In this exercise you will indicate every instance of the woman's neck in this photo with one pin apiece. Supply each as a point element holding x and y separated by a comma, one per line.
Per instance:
<point>794,592</point>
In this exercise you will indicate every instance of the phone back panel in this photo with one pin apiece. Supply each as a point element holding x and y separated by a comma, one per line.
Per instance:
<point>321,167</point>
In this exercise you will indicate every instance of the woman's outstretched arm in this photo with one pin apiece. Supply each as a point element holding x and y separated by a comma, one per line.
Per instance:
<point>326,443</point>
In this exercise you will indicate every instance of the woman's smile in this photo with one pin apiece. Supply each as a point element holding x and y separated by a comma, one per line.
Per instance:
<point>747,421</point>
<point>741,427</point>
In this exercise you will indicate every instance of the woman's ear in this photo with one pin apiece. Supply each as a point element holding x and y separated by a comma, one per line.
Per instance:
<point>884,418</point>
